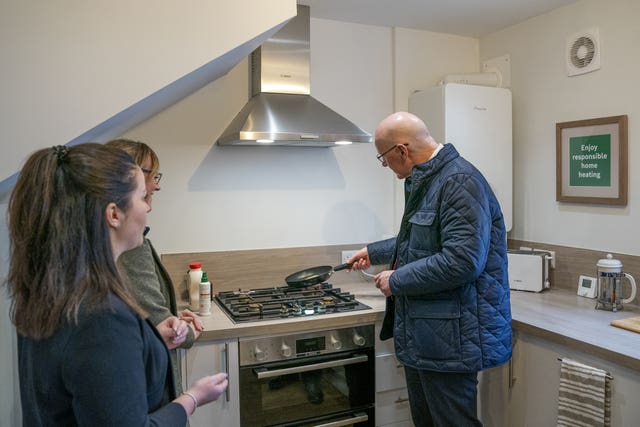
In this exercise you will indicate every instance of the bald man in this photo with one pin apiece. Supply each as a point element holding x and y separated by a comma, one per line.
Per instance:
<point>447,287</point>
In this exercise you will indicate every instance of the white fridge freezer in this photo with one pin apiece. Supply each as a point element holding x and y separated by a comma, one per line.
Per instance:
<point>477,121</point>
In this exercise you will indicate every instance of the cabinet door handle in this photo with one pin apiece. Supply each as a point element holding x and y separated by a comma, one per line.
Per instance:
<point>512,377</point>
<point>401,400</point>
<point>184,365</point>
<point>225,356</point>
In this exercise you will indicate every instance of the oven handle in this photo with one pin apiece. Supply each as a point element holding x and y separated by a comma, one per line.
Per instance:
<point>264,373</point>
<point>356,418</point>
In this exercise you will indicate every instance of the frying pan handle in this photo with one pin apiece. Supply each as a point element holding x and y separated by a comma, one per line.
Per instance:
<point>343,266</point>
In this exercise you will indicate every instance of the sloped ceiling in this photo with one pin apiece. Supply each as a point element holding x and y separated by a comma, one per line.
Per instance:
<point>469,18</point>
<point>94,70</point>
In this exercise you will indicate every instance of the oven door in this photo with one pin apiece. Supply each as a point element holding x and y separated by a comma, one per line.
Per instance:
<point>331,390</point>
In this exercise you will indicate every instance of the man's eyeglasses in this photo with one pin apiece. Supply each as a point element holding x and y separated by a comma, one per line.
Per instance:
<point>156,178</point>
<point>380,156</point>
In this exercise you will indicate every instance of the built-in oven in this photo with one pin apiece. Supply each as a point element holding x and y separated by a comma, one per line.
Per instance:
<point>321,378</point>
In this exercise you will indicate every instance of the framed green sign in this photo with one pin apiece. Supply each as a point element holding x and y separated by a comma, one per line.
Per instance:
<point>591,161</point>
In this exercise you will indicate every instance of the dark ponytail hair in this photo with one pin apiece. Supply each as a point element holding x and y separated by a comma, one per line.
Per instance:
<point>61,254</point>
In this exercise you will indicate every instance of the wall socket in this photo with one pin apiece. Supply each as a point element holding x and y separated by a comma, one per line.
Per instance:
<point>552,262</point>
<point>346,255</point>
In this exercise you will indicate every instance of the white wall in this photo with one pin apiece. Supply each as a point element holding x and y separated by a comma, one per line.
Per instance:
<point>265,197</point>
<point>67,66</point>
<point>421,60</point>
<point>543,95</point>
<point>224,198</point>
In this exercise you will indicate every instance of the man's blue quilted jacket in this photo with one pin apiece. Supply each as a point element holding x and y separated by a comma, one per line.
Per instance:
<point>450,286</point>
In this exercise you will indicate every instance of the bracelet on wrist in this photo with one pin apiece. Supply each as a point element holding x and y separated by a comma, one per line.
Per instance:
<point>195,401</point>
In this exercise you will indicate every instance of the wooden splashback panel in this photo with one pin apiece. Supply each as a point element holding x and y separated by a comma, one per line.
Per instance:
<point>263,268</point>
<point>259,268</point>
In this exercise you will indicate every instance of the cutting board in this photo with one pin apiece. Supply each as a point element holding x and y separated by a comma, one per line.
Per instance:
<point>631,324</point>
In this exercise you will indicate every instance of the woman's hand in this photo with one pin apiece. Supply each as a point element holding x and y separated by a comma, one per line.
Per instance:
<point>173,331</point>
<point>209,388</point>
<point>205,390</point>
<point>192,318</point>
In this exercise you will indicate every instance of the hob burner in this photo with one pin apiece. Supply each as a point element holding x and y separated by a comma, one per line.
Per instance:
<point>284,302</point>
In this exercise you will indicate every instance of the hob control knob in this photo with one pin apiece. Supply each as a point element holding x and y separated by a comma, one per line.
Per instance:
<point>336,344</point>
<point>358,339</point>
<point>259,354</point>
<point>285,350</point>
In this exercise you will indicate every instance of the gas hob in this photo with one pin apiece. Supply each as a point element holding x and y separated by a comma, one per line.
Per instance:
<point>285,302</point>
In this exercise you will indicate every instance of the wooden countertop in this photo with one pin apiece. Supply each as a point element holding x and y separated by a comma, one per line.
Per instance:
<point>565,318</point>
<point>556,315</point>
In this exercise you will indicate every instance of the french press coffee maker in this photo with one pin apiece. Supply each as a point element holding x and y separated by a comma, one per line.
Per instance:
<point>610,290</point>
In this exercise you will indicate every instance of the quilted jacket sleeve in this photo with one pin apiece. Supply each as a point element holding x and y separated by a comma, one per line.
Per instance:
<point>381,252</point>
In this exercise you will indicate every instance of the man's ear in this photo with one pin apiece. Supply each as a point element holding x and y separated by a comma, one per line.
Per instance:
<point>404,151</point>
<point>113,215</point>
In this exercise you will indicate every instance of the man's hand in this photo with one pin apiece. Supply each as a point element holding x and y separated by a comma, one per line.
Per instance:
<point>382,282</point>
<point>360,260</point>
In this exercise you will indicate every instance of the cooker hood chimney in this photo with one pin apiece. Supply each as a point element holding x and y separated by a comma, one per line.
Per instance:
<point>281,110</point>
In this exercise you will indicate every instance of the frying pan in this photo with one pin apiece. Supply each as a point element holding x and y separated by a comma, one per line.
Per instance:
<point>313,275</point>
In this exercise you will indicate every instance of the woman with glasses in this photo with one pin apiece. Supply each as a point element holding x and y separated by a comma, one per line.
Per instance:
<point>150,281</point>
<point>86,353</point>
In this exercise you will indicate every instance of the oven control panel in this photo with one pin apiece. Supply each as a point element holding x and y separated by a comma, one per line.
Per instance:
<point>304,344</point>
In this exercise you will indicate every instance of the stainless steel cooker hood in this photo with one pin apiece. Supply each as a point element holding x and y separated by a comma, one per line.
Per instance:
<point>281,110</point>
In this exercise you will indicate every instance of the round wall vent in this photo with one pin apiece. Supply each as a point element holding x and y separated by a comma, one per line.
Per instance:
<point>583,52</point>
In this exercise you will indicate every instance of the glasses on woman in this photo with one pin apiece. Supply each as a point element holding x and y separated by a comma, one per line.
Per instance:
<point>156,178</point>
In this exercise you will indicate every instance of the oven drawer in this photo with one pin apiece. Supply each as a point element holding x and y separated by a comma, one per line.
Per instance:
<point>389,373</point>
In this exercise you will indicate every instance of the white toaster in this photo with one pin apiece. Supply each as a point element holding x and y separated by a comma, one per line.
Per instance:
<point>528,270</point>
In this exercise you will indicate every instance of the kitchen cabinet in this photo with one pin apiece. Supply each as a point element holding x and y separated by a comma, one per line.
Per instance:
<point>206,358</point>
<point>493,396</point>
<point>536,374</point>
<point>392,401</point>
